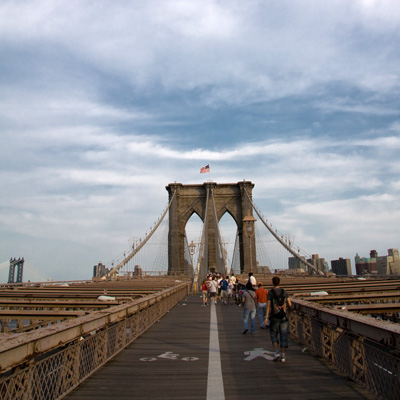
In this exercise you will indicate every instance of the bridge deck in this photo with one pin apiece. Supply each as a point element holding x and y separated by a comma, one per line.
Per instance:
<point>171,361</point>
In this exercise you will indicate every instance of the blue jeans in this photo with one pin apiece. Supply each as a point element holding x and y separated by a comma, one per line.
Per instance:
<point>279,326</point>
<point>262,311</point>
<point>252,315</point>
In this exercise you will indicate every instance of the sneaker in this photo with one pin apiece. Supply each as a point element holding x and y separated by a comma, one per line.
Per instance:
<point>283,359</point>
<point>277,356</point>
<point>245,331</point>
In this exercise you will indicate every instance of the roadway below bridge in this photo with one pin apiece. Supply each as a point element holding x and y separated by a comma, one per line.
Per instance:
<point>197,352</point>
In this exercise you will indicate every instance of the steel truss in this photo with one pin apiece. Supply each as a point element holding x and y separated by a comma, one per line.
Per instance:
<point>52,365</point>
<point>366,351</point>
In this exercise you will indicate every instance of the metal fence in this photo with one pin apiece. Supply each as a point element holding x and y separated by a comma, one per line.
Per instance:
<point>58,371</point>
<point>364,349</point>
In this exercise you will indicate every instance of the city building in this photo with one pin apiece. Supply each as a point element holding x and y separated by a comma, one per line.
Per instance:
<point>366,265</point>
<point>380,265</point>
<point>100,270</point>
<point>296,264</point>
<point>319,263</point>
<point>341,266</point>
<point>390,264</point>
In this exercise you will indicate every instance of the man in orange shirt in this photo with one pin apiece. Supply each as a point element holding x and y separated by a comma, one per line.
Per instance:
<point>261,296</point>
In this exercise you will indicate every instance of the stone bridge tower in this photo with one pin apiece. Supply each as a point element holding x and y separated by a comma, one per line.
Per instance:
<point>190,199</point>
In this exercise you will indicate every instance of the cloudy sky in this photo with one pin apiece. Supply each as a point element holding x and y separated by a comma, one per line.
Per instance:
<point>103,104</point>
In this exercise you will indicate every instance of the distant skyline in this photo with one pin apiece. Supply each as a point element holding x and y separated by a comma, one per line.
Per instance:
<point>103,104</point>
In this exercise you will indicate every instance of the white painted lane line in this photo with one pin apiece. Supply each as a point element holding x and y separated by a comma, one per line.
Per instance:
<point>215,382</point>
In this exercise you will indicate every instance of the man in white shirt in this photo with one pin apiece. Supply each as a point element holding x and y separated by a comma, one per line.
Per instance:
<point>252,280</point>
<point>213,286</point>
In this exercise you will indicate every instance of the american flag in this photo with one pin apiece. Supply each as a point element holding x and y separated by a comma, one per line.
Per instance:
<point>205,169</point>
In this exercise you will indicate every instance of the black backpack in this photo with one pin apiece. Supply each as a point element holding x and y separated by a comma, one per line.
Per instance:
<point>278,304</point>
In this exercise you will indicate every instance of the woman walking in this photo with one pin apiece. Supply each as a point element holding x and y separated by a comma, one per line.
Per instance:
<point>249,309</point>
<point>204,290</point>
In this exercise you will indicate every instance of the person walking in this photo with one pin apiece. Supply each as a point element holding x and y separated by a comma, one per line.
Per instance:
<point>261,296</point>
<point>278,302</point>
<point>219,297</point>
<point>204,290</point>
<point>252,279</point>
<point>230,291</point>
<point>223,285</point>
<point>213,286</point>
<point>249,309</point>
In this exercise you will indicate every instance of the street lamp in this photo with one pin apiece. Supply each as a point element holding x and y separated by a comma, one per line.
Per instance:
<point>248,222</point>
<point>192,250</point>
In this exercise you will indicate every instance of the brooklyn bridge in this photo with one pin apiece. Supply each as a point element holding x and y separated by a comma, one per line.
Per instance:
<point>137,329</point>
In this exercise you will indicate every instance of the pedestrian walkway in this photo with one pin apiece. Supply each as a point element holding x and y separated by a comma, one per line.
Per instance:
<point>198,352</point>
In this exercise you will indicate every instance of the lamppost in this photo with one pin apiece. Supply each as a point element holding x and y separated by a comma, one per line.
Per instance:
<point>248,222</point>
<point>192,250</point>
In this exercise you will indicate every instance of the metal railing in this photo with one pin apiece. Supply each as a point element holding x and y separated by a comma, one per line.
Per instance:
<point>50,364</point>
<point>366,350</point>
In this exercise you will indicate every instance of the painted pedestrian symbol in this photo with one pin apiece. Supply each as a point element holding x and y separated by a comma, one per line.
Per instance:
<point>259,352</point>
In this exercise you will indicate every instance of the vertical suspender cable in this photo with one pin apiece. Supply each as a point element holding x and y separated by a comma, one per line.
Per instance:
<point>142,243</point>
<point>283,243</point>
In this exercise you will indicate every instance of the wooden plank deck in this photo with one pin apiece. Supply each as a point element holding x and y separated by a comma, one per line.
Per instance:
<point>170,361</point>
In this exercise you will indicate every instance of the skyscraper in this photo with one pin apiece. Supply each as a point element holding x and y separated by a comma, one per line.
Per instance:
<point>341,266</point>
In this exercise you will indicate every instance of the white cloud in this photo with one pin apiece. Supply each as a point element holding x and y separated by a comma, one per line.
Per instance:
<point>105,103</point>
<point>385,143</point>
<point>350,106</point>
<point>242,52</point>
<point>73,107</point>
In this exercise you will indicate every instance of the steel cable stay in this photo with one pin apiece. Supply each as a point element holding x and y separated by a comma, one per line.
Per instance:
<point>162,251</point>
<point>262,253</point>
<point>288,247</point>
<point>31,269</point>
<point>142,242</point>
<point>188,258</point>
<point>4,264</point>
<point>220,244</point>
<point>235,264</point>
<point>199,273</point>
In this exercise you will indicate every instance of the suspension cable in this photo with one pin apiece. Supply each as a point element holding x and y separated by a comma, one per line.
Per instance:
<point>285,245</point>
<point>142,243</point>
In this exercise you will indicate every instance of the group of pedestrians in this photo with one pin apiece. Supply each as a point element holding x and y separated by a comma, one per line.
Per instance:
<point>271,307</point>
<point>219,288</point>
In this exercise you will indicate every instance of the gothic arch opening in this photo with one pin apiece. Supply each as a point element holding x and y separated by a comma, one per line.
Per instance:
<point>228,228</point>
<point>193,229</point>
